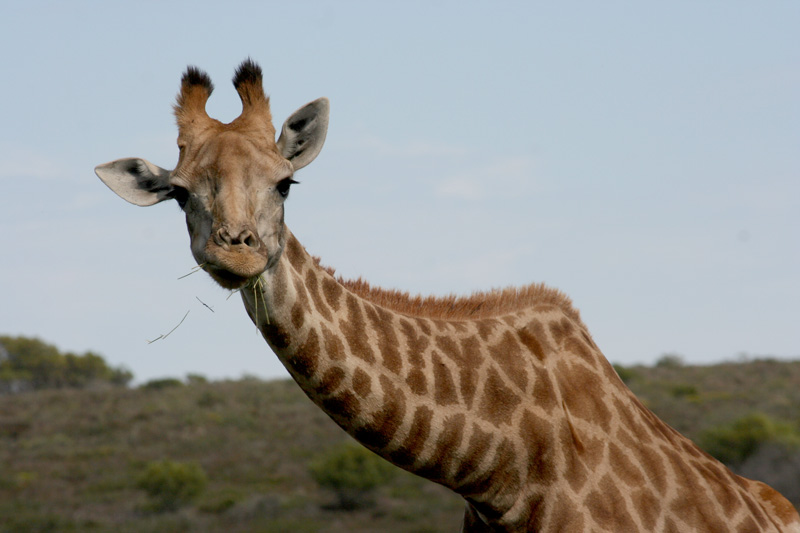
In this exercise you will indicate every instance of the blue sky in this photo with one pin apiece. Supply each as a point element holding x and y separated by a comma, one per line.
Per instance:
<point>642,158</point>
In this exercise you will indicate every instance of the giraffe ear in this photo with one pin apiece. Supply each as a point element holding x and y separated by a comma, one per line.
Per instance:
<point>136,180</point>
<point>303,133</point>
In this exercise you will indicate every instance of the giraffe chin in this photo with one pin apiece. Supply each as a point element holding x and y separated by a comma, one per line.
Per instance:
<point>230,280</point>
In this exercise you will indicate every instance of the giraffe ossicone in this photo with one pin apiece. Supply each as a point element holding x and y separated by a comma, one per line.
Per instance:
<point>501,396</point>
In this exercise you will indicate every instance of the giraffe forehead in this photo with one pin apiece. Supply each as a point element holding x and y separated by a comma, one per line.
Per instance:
<point>234,157</point>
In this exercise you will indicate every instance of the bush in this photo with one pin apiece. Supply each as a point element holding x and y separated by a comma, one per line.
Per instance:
<point>162,383</point>
<point>684,390</point>
<point>670,360</point>
<point>734,443</point>
<point>33,364</point>
<point>196,379</point>
<point>171,485</point>
<point>352,473</point>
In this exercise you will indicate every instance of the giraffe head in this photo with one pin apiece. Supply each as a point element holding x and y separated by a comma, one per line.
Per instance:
<point>232,179</point>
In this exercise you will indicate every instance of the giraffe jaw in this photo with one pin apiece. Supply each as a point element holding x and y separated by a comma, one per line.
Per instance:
<point>226,278</point>
<point>233,267</point>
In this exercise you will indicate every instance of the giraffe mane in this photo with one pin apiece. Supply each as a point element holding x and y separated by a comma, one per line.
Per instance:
<point>478,305</point>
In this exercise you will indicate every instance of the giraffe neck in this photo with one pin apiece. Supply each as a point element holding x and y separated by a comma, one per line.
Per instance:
<point>417,391</point>
<point>520,413</point>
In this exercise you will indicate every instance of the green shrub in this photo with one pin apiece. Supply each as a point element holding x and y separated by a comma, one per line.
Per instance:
<point>670,360</point>
<point>684,390</point>
<point>734,443</point>
<point>352,473</point>
<point>196,379</point>
<point>209,399</point>
<point>27,363</point>
<point>162,383</point>
<point>220,501</point>
<point>171,485</point>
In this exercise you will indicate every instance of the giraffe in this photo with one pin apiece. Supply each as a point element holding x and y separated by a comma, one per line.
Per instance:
<point>502,396</point>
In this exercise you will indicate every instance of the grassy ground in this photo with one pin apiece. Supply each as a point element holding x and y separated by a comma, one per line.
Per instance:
<point>70,459</point>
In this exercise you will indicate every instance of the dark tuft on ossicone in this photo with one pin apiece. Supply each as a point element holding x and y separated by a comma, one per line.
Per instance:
<point>195,76</point>
<point>248,73</point>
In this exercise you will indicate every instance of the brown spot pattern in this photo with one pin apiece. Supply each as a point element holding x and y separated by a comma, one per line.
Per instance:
<point>467,357</point>
<point>330,381</point>
<point>417,382</point>
<point>353,329</point>
<point>622,466</point>
<point>543,390</point>
<point>479,444</point>
<point>486,327</point>
<point>627,415</point>
<point>608,509</point>
<point>565,516</point>
<point>332,292</point>
<point>417,344</point>
<point>362,383</point>
<point>581,389</point>
<point>561,330</point>
<point>748,525</point>
<point>386,420</point>
<point>304,361</point>
<point>530,341</point>
<point>443,386</point>
<point>574,469</point>
<point>644,456</point>
<point>334,347</point>
<point>387,339</point>
<point>537,438</point>
<point>424,325</point>
<point>440,463</point>
<point>302,294</point>
<point>298,317</point>
<point>277,337</point>
<point>316,296</point>
<point>294,252</point>
<point>506,477</point>
<point>344,406</point>
<point>416,439</point>
<point>499,402</point>
<point>471,355</point>
<point>508,354</point>
<point>647,507</point>
<point>578,347</point>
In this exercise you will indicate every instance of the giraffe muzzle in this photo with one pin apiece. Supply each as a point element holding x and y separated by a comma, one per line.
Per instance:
<point>234,256</point>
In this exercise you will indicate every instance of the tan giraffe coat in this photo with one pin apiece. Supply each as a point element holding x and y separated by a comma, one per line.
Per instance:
<point>502,396</point>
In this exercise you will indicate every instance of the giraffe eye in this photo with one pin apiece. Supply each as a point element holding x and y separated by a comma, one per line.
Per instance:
<point>180,195</point>
<point>283,186</point>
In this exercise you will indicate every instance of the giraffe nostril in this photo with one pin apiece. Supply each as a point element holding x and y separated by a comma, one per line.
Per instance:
<point>222,238</point>
<point>248,239</point>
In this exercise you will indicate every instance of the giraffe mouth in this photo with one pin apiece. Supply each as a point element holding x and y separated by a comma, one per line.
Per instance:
<point>234,270</point>
<point>226,278</point>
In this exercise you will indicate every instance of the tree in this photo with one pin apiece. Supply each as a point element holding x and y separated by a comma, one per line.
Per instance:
<point>736,442</point>
<point>352,473</point>
<point>27,363</point>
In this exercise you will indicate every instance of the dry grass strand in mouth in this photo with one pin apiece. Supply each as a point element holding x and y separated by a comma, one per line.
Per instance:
<point>257,285</point>
<point>196,268</point>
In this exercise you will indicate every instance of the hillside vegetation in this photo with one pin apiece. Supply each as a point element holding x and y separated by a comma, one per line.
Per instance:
<point>257,456</point>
